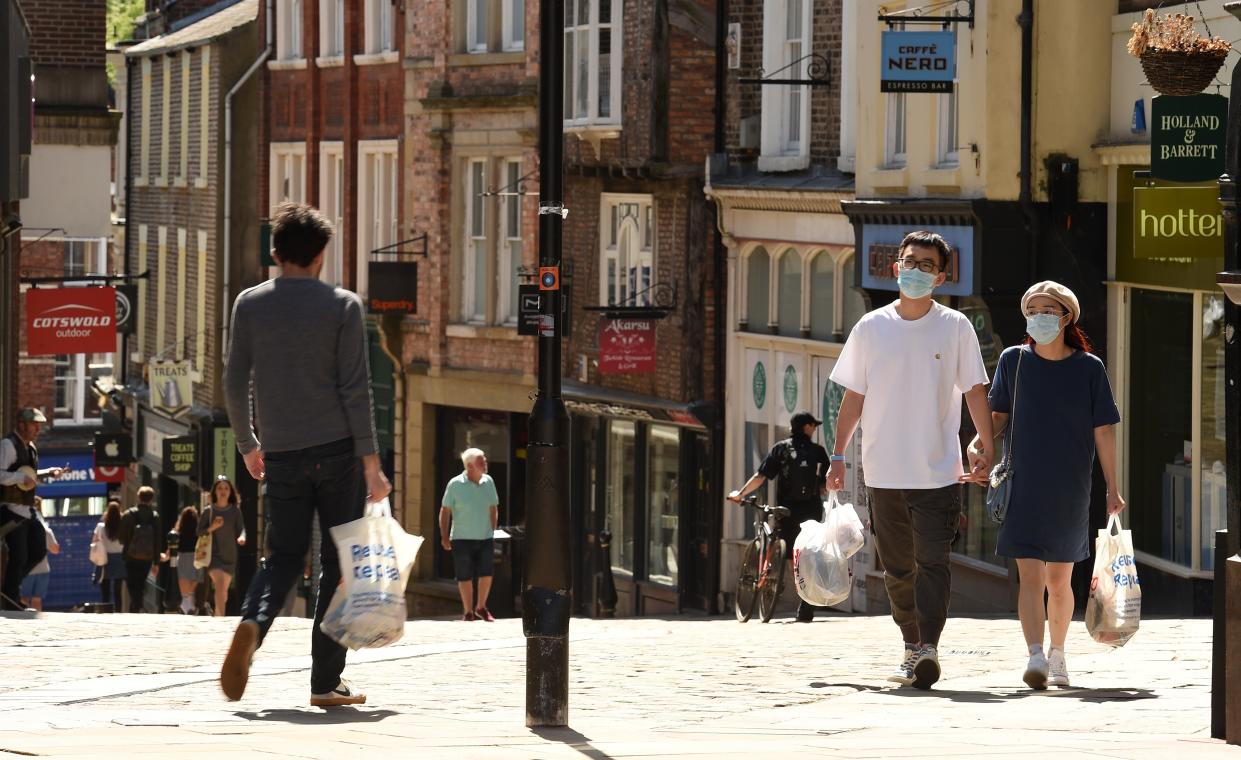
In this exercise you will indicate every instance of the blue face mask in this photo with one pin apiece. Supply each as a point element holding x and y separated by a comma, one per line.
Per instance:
<point>914,283</point>
<point>1043,327</point>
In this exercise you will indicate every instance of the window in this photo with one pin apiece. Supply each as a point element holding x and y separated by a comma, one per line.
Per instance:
<point>73,374</point>
<point>786,109</point>
<point>380,26</point>
<point>332,28</point>
<point>331,202</point>
<point>592,61</point>
<point>947,153</point>
<point>145,113</point>
<point>183,154</point>
<point>895,145</point>
<point>758,290</point>
<point>508,276</point>
<point>165,116</point>
<point>474,290</point>
<point>476,25</point>
<point>377,212</point>
<point>289,30</point>
<point>288,173</point>
<point>788,306</point>
<point>204,108</point>
<point>823,297</point>
<point>622,492</point>
<point>514,21</point>
<point>628,254</point>
<point>663,481</point>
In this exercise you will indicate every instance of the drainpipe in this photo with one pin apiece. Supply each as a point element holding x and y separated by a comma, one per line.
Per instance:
<point>129,225</point>
<point>226,310</point>
<point>721,313</point>
<point>1025,197</point>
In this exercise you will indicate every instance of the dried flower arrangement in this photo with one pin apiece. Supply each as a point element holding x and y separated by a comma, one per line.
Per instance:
<point>1176,59</point>
<point>1172,32</point>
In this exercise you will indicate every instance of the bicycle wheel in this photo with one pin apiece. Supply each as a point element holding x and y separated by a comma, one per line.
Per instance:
<point>747,583</point>
<point>772,580</point>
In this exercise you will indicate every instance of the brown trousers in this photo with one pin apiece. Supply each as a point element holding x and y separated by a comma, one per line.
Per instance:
<point>914,531</point>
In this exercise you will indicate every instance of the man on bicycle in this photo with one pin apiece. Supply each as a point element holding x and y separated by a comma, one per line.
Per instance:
<point>800,467</point>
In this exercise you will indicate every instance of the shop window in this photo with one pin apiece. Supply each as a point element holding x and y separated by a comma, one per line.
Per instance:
<point>592,62</point>
<point>332,28</point>
<point>628,255</point>
<point>788,307</point>
<point>289,30</point>
<point>758,291</point>
<point>663,508</point>
<point>1214,450</point>
<point>823,297</point>
<point>622,492</point>
<point>786,109</point>
<point>380,29</point>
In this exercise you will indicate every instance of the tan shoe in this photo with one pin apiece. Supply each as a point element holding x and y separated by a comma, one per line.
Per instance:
<point>236,671</point>
<point>343,694</point>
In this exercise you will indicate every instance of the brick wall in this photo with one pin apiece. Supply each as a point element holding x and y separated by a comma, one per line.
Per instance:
<point>66,32</point>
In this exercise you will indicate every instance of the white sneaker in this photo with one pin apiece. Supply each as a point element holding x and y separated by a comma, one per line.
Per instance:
<point>343,694</point>
<point>1059,672</point>
<point>904,673</point>
<point>1036,671</point>
<point>926,667</point>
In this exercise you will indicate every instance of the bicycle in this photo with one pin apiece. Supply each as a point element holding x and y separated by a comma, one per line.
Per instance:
<point>762,564</point>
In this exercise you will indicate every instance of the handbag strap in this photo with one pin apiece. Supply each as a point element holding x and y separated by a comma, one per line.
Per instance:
<point>1012,417</point>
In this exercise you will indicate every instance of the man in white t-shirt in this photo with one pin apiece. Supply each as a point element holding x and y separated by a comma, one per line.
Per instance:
<point>904,369</point>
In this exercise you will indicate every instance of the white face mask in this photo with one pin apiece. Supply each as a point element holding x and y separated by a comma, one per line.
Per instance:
<point>1043,327</point>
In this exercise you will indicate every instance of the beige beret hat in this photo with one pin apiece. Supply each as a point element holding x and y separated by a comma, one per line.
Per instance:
<point>1056,292</point>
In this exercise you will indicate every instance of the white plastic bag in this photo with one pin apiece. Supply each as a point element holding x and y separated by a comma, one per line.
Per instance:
<point>1115,605</point>
<point>821,554</point>
<point>368,608</point>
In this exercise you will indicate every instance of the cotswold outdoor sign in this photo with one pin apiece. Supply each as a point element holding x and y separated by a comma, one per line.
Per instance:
<point>918,61</point>
<point>70,321</point>
<point>1177,223</point>
<point>1187,137</point>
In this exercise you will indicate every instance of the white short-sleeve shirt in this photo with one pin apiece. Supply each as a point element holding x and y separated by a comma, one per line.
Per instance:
<point>912,373</point>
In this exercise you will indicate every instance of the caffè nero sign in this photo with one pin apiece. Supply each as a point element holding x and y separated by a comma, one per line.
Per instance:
<point>1187,137</point>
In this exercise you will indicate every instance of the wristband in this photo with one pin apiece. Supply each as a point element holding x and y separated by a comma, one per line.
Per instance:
<point>838,458</point>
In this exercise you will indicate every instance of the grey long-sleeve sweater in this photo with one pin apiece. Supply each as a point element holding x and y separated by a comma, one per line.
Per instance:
<point>304,344</point>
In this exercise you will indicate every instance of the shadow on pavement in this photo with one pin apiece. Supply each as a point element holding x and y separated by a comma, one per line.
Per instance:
<point>319,717</point>
<point>573,739</point>
<point>998,697</point>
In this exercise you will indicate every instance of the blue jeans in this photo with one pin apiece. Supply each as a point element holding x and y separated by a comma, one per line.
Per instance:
<point>325,480</point>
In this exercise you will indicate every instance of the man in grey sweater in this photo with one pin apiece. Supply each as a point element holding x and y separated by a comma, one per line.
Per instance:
<point>302,344</point>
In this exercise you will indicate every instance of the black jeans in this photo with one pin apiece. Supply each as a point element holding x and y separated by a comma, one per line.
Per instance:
<point>325,480</point>
<point>136,572</point>
<point>18,563</point>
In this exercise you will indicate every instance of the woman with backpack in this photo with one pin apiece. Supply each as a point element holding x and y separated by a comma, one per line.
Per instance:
<point>222,519</point>
<point>112,574</point>
<point>143,539</point>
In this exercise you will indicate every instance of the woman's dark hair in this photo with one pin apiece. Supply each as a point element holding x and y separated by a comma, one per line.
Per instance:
<point>299,233</point>
<point>187,523</point>
<point>927,239</point>
<point>233,497</point>
<point>112,520</point>
<point>1074,337</point>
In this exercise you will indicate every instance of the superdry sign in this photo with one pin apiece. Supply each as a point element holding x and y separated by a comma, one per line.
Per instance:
<point>70,321</point>
<point>626,346</point>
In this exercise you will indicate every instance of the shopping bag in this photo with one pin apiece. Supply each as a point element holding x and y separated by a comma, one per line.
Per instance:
<point>98,554</point>
<point>1115,604</point>
<point>202,551</point>
<point>376,556</point>
<point>821,554</point>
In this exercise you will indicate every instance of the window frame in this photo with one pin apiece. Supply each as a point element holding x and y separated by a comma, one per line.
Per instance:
<point>378,199</point>
<point>289,31</point>
<point>591,29</point>
<point>282,156</point>
<point>79,379</point>
<point>511,239</point>
<point>896,138</point>
<point>378,37</point>
<point>778,151</point>
<point>510,42</point>
<point>770,323</point>
<point>332,28</point>
<point>948,129</point>
<point>332,203</point>
<point>473,8</point>
<point>474,231</point>
<point>613,230</point>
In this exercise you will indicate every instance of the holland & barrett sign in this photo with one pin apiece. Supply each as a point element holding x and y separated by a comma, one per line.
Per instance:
<point>918,61</point>
<point>1187,137</point>
<point>1177,223</point>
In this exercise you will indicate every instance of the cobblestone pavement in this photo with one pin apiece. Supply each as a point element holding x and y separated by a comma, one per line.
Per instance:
<point>145,685</point>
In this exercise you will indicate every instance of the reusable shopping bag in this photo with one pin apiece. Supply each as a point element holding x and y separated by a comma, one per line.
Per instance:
<point>1115,605</point>
<point>98,554</point>
<point>822,551</point>
<point>202,551</point>
<point>368,608</point>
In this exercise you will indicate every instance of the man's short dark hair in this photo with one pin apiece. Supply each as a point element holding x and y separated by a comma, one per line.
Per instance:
<point>299,233</point>
<point>927,239</point>
<point>146,495</point>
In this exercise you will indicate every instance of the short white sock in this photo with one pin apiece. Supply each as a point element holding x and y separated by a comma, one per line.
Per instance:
<point>1036,649</point>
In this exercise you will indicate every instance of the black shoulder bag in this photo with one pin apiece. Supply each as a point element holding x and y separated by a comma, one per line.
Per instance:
<point>1000,484</point>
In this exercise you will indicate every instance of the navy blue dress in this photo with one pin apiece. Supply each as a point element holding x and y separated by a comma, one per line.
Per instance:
<point>1059,405</point>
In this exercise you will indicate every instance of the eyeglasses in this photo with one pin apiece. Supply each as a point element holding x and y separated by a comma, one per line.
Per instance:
<point>1045,311</point>
<point>929,267</point>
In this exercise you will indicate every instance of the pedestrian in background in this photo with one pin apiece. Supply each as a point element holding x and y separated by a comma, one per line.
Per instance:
<point>34,587</point>
<point>905,368</point>
<point>19,474</point>
<point>222,519</point>
<point>469,513</point>
<point>298,351</point>
<point>144,541</point>
<point>1056,396</point>
<point>112,574</point>
<point>188,576</point>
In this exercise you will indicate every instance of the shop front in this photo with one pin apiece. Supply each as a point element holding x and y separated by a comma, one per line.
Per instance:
<point>72,505</point>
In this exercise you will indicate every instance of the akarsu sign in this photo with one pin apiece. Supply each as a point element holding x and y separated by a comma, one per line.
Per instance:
<point>70,321</point>
<point>626,346</point>
<point>1187,137</point>
<point>918,61</point>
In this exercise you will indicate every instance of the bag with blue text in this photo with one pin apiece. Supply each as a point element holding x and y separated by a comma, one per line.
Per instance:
<point>1115,605</point>
<point>376,556</point>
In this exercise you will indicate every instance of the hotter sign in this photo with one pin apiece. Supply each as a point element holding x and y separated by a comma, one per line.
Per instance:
<point>626,346</point>
<point>70,321</point>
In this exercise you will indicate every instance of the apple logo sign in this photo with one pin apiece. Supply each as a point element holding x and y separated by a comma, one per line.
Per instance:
<point>112,449</point>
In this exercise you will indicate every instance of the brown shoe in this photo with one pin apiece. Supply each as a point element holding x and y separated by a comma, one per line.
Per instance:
<point>236,670</point>
<point>343,694</point>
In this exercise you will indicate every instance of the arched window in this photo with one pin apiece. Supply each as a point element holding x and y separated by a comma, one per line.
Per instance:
<point>789,308</point>
<point>854,301</point>
<point>758,288</point>
<point>822,297</point>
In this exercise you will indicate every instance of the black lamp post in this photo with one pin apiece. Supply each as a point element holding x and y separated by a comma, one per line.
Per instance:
<point>546,587</point>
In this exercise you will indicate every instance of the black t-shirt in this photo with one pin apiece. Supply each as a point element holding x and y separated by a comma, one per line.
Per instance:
<point>800,467</point>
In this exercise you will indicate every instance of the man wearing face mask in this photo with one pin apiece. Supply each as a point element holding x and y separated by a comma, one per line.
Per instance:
<point>905,368</point>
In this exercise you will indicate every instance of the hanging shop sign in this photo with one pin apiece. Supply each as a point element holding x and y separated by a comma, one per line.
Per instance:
<point>70,321</point>
<point>918,61</point>
<point>530,304</point>
<point>1177,222</point>
<point>113,449</point>
<point>126,309</point>
<point>626,346</point>
<point>225,454</point>
<point>392,287</point>
<point>881,244</point>
<point>1187,137</point>
<point>181,457</point>
<point>171,387</point>
<point>107,474</point>
<point>77,479</point>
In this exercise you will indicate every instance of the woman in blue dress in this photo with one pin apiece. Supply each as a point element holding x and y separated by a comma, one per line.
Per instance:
<point>1063,415</point>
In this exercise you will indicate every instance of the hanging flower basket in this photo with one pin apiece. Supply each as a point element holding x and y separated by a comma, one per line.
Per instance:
<point>1176,59</point>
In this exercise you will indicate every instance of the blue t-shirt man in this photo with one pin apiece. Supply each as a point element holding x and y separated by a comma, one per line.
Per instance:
<point>472,506</point>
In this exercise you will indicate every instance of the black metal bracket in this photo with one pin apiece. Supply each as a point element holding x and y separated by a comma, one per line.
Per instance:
<point>816,70</point>
<point>98,279</point>
<point>663,301</point>
<point>914,16</point>
<point>395,248</point>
